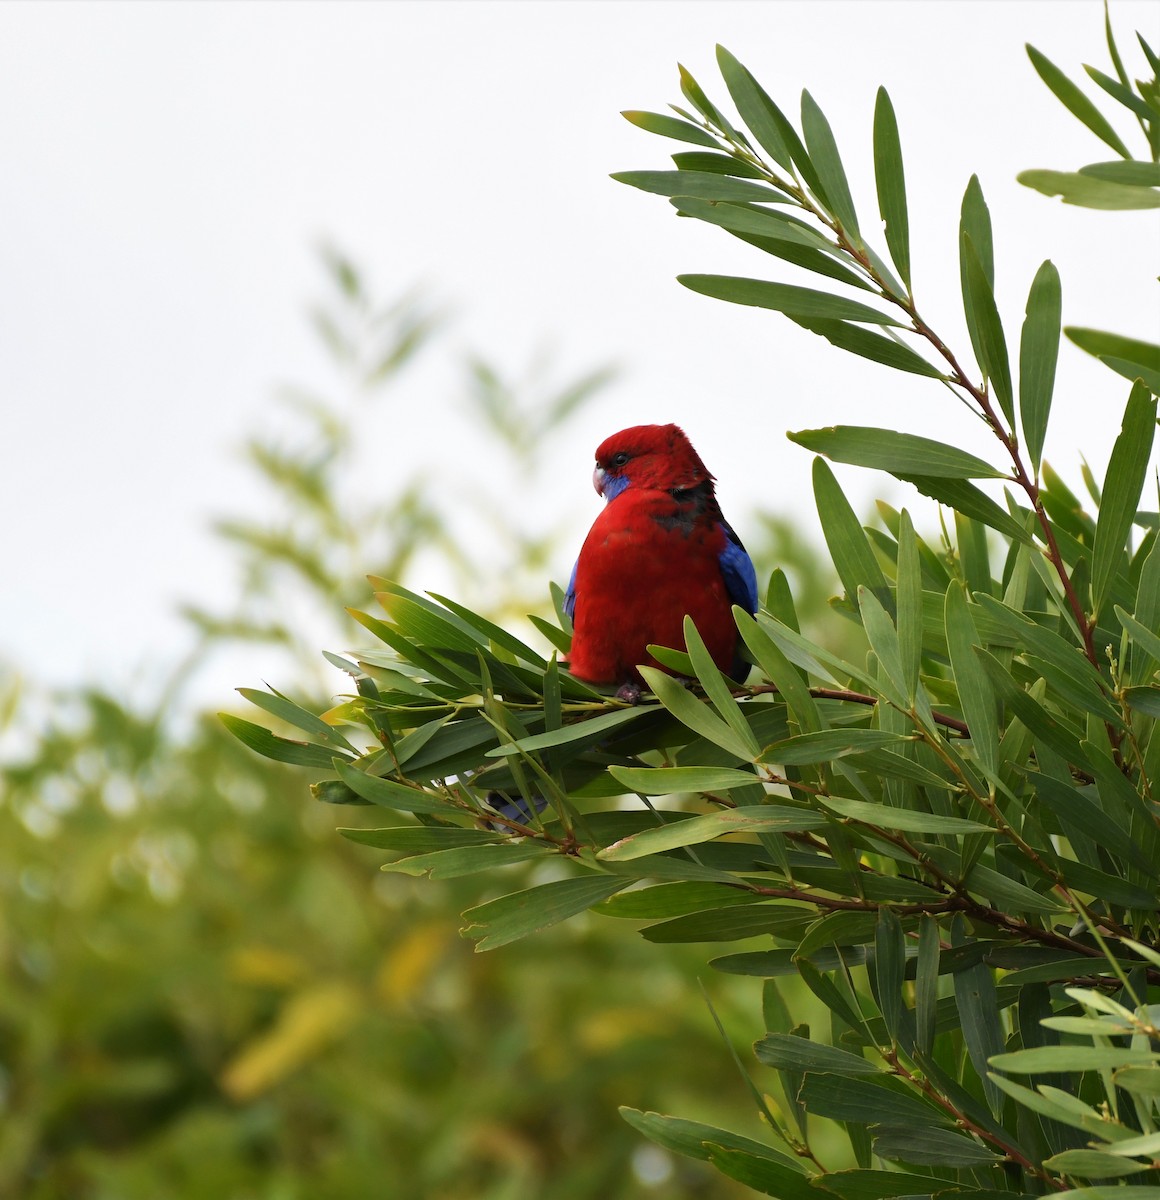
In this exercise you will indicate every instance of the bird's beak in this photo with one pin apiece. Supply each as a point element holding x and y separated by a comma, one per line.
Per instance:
<point>598,480</point>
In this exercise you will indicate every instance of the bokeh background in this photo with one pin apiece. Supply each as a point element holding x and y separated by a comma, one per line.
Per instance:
<point>294,293</point>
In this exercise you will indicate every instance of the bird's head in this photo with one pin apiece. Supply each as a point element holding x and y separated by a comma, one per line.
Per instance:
<point>647,456</point>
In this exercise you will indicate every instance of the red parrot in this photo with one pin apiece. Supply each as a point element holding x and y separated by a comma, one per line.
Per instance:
<point>659,550</point>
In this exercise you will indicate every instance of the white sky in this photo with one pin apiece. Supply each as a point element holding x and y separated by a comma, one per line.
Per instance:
<point>167,170</point>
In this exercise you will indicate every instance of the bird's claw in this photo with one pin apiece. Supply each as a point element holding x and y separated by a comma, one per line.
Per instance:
<point>628,693</point>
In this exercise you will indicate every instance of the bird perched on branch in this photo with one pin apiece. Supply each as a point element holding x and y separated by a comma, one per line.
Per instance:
<point>659,550</point>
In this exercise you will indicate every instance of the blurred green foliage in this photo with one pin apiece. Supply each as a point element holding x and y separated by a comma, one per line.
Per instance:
<point>205,993</point>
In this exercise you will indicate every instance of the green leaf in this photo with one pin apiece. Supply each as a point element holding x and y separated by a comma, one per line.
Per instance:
<point>890,971</point>
<point>926,984</point>
<point>890,180</point>
<point>260,739</point>
<point>985,327</point>
<point>386,792</point>
<point>1144,700</point>
<point>1044,726</point>
<point>730,924</point>
<point>515,916</point>
<point>1088,192</point>
<point>666,900</point>
<point>901,454</point>
<point>977,1002</point>
<point>765,223</point>
<point>828,744</point>
<point>964,497</point>
<point>717,688</point>
<point>846,1098</point>
<point>704,185</point>
<point>764,818</point>
<point>694,714</point>
<point>416,839</point>
<point>906,819</point>
<point>590,731</point>
<point>765,120</point>
<point>1140,635</point>
<point>1123,484</point>
<point>693,1139</point>
<point>846,540</point>
<point>786,298</point>
<point>884,642</point>
<point>1041,1060</point>
<point>493,632</point>
<point>976,697</point>
<point>786,1052</point>
<point>461,861</point>
<point>880,1185</point>
<point>777,668</point>
<point>872,346</point>
<point>1038,352</point>
<point>1127,356</point>
<point>294,714</point>
<point>1093,1164</point>
<point>932,1147</point>
<point>695,94</point>
<point>761,1174</point>
<point>1142,174</point>
<point>823,152</point>
<point>1075,101</point>
<point>664,781</point>
<point>975,224</point>
<point>671,127</point>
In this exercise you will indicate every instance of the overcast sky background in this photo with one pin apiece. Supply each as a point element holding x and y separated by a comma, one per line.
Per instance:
<point>169,169</point>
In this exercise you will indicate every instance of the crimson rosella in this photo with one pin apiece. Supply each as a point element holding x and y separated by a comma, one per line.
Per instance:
<point>659,550</point>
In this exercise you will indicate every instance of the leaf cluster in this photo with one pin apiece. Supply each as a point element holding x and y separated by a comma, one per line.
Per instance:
<point>949,845</point>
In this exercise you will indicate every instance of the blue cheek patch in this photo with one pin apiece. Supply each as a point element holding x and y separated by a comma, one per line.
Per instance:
<point>614,485</point>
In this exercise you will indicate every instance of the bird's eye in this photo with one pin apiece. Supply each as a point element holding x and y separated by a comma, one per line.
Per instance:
<point>620,459</point>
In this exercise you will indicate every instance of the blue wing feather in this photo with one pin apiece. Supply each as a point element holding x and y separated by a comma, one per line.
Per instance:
<point>737,569</point>
<point>570,594</point>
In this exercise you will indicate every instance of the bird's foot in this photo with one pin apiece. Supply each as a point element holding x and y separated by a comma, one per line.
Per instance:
<point>628,693</point>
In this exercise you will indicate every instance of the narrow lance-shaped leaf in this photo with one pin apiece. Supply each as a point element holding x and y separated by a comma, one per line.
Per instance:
<point>890,969</point>
<point>976,697</point>
<point>926,984</point>
<point>1127,470</point>
<point>823,151</point>
<point>693,713</point>
<point>765,120</point>
<point>787,298</point>
<point>964,497</point>
<point>978,1005</point>
<point>985,327</point>
<point>975,223</point>
<point>909,605</point>
<point>1086,191</point>
<point>1121,93</point>
<point>846,539</point>
<point>716,688</point>
<point>891,184</point>
<point>764,817</point>
<point>872,346</point>
<point>260,739</point>
<point>706,185</point>
<point>902,454</point>
<point>1038,352</point>
<point>512,917</point>
<point>671,127</point>
<point>1075,101</point>
<point>1130,357</point>
<point>884,642</point>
